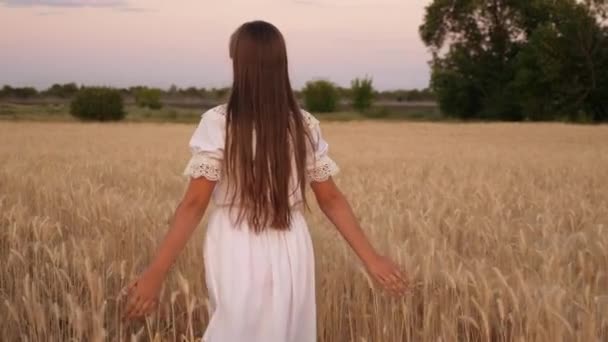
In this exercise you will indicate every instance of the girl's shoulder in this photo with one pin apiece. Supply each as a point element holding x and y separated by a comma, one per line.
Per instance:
<point>219,113</point>
<point>214,117</point>
<point>309,119</point>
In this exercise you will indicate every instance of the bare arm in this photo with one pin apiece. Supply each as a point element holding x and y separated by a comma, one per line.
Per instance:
<point>337,209</point>
<point>144,291</point>
<point>187,216</point>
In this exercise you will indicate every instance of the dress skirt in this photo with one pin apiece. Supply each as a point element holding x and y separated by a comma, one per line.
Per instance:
<point>261,286</point>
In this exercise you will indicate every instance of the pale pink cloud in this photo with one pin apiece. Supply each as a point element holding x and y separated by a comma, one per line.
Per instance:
<point>65,3</point>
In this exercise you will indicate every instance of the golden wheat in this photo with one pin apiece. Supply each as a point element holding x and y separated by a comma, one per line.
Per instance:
<point>503,229</point>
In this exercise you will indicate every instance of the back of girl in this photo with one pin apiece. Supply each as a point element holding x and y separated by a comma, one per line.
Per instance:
<point>254,158</point>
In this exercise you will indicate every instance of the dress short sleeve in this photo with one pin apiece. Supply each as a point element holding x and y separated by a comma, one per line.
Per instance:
<point>320,165</point>
<point>207,147</point>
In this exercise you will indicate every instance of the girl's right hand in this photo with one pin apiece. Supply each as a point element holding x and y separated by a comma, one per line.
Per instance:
<point>388,274</point>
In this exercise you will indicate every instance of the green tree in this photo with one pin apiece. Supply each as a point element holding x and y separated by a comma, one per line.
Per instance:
<point>98,104</point>
<point>362,91</point>
<point>191,91</point>
<point>21,92</point>
<point>563,70</point>
<point>517,59</point>
<point>148,97</point>
<point>320,96</point>
<point>6,91</point>
<point>472,78</point>
<point>458,96</point>
<point>62,90</point>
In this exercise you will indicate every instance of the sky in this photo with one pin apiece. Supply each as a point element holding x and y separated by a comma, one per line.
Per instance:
<point>185,42</point>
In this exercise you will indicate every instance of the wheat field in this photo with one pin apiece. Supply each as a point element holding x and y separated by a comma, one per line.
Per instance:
<point>503,229</point>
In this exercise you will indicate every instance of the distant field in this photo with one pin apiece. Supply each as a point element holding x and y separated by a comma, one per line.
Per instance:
<point>190,112</point>
<point>503,229</point>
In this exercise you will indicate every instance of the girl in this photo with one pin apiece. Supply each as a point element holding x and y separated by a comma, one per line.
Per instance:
<point>254,157</point>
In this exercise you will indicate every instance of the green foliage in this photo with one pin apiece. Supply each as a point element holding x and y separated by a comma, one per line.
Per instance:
<point>148,97</point>
<point>98,104</point>
<point>220,93</point>
<point>62,90</point>
<point>362,92</point>
<point>419,95</point>
<point>25,92</point>
<point>457,95</point>
<point>472,79</point>
<point>406,95</point>
<point>519,59</point>
<point>320,96</point>
<point>563,70</point>
<point>6,91</point>
<point>21,93</point>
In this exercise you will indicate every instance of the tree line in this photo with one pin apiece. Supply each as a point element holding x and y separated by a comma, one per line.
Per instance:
<point>319,96</point>
<point>69,90</point>
<point>519,59</point>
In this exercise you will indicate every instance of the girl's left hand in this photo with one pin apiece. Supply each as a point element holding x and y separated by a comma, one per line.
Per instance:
<point>388,274</point>
<point>142,295</point>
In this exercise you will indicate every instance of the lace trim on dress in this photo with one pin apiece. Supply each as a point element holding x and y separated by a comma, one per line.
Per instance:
<point>310,120</point>
<point>325,168</point>
<point>221,109</point>
<point>201,165</point>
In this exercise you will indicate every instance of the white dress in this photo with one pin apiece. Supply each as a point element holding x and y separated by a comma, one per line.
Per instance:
<point>261,286</point>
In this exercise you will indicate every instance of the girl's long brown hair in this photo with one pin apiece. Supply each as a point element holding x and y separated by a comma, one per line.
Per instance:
<point>265,132</point>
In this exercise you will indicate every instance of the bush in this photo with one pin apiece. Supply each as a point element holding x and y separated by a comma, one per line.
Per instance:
<point>98,104</point>
<point>362,92</point>
<point>320,96</point>
<point>148,97</point>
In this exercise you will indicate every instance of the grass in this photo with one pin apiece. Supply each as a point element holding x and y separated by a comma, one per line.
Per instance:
<point>502,228</point>
<point>60,113</point>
